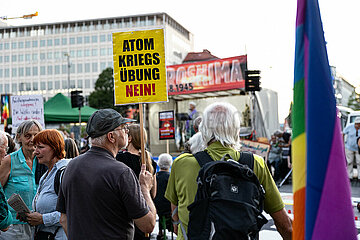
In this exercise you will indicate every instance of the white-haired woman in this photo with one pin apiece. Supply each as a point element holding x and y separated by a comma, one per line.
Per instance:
<point>19,173</point>
<point>162,205</point>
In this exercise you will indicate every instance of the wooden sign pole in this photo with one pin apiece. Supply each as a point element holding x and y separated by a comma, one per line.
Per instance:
<point>142,133</point>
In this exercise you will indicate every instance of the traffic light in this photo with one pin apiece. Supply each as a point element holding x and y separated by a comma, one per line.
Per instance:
<point>252,80</point>
<point>77,100</point>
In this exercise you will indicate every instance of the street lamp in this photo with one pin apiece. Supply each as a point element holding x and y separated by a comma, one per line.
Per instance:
<point>68,60</point>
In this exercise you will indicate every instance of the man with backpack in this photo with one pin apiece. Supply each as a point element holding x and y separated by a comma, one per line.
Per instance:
<point>220,128</point>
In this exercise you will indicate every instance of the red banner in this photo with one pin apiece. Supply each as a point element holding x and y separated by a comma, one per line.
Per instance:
<point>166,125</point>
<point>207,76</point>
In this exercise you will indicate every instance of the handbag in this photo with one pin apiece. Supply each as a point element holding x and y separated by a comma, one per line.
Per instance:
<point>46,235</point>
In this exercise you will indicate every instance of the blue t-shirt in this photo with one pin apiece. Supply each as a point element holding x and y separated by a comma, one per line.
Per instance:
<point>351,137</point>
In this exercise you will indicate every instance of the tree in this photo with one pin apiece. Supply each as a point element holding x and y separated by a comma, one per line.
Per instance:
<point>354,101</point>
<point>103,95</point>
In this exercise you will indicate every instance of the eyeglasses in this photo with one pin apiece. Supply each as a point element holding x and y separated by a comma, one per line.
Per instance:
<point>124,127</point>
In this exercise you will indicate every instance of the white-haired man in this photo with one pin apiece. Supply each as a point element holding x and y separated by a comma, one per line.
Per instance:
<point>220,129</point>
<point>5,214</point>
<point>352,134</point>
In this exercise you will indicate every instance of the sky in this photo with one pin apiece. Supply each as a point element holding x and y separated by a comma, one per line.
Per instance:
<point>262,29</point>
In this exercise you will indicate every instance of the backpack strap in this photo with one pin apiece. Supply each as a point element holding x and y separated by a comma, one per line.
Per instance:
<point>247,158</point>
<point>58,178</point>
<point>202,158</point>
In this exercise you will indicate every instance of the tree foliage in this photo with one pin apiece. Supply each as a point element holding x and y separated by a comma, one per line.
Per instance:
<point>103,95</point>
<point>354,101</point>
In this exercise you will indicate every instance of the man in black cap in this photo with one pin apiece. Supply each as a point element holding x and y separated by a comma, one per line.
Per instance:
<point>101,198</point>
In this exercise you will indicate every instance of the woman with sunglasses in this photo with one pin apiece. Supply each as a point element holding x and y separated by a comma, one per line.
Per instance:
<point>50,151</point>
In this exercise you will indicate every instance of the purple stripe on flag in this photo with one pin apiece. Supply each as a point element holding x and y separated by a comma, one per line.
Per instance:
<point>300,15</point>
<point>335,197</point>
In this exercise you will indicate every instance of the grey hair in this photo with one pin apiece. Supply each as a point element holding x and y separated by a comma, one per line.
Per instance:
<point>165,161</point>
<point>196,143</point>
<point>25,126</point>
<point>221,122</point>
<point>100,141</point>
<point>278,132</point>
<point>2,136</point>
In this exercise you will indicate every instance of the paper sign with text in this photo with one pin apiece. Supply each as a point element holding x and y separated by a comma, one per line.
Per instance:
<point>27,107</point>
<point>139,67</point>
<point>166,125</point>
<point>258,148</point>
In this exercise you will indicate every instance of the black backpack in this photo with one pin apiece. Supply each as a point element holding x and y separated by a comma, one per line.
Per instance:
<point>229,199</point>
<point>57,179</point>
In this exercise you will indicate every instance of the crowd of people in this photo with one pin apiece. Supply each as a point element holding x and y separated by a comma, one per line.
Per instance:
<point>106,192</point>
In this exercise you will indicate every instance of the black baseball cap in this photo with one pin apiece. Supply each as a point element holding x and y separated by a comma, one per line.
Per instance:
<point>103,121</point>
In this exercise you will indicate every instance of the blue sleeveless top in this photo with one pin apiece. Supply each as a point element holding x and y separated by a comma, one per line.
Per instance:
<point>21,180</point>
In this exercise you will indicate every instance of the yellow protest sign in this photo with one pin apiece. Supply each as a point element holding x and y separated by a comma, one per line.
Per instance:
<point>139,67</point>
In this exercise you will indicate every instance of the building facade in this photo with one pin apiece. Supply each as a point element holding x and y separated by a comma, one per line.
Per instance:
<point>61,57</point>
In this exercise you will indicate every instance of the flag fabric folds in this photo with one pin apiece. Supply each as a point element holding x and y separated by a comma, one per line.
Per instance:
<point>322,196</point>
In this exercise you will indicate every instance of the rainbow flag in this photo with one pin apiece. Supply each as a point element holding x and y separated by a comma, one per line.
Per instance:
<point>322,197</point>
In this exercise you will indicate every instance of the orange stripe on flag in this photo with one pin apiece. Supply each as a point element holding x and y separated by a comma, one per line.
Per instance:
<point>299,215</point>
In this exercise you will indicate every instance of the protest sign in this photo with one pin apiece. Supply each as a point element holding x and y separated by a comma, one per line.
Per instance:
<point>139,67</point>
<point>258,148</point>
<point>25,108</point>
<point>166,125</point>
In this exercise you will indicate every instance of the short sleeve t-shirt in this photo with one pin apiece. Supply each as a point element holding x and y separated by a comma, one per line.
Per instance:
<point>100,197</point>
<point>351,137</point>
<point>133,161</point>
<point>182,186</point>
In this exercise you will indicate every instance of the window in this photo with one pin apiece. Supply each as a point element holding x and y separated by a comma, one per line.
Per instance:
<point>21,44</point>
<point>72,53</point>
<point>7,88</point>
<point>27,44</point>
<point>87,83</point>
<point>79,68</point>
<point>87,53</point>
<point>94,39</point>
<point>14,45</point>
<point>6,45</point>
<point>50,85</point>
<point>87,67</point>
<point>42,70</point>
<point>57,69</point>
<point>72,69</point>
<point>49,55</point>
<point>57,42</point>
<point>1,59</point>
<point>50,70</point>
<point>64,69</point>
<point>57,55</point>
<point>102,66</point>
<point>7,59</point>
<point>79,53</point>
<point>35,86</point>
<point>102,51</point>
<point>72,83</point>
<point>94,52</point>
<point>35,71</point>
<point>21,72</point>
<point>34,56</point>
<point>72,41</point>
<point>42,43</point>
<point>64,84</point>
<point>102,38</point>
<point>79,40</point>
<point>21,57</point>
<point>28,86</point>
<point>28,71</point>
<point>22,87</point>
<point>87,39</point>
<point>1,88</point>
<point>94,67</point>
<point>109,37</point>
<point>42,56</point>
<point>7,72</point>
<point>110,51</point>
<point>27,57</point>
<point>14,87</point>
<point>49,42</point>
<point>57,84</point>
<point>80,83</point>
<point>43,85</point>
<point>1,46</point>
<point>34,44</point>
<point>13,58</point>
<point>1,72</point>
<point>14,72</point>
<point>64,41</point>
